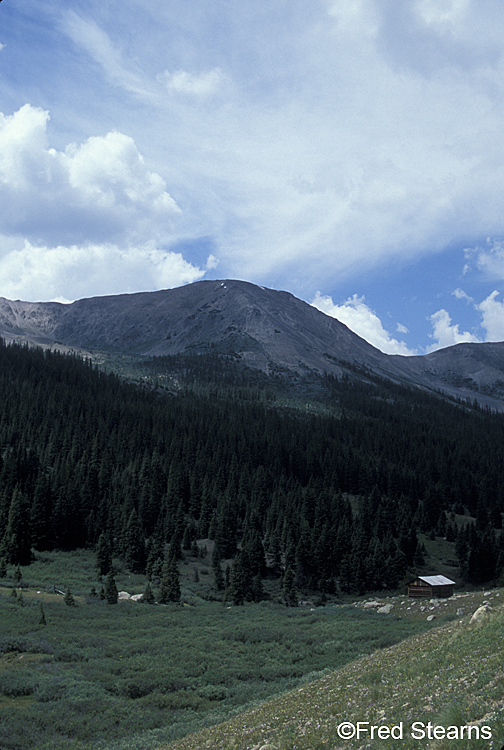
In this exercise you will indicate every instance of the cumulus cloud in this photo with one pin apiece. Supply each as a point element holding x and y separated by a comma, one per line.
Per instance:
<point>492,312</point>
<point>355,314</point>
<point>338,134</point>
<point>488,258</point>
<point>70,272</point>
<point>98,191</point>
<point>91,219</point>
<point>446,333</point>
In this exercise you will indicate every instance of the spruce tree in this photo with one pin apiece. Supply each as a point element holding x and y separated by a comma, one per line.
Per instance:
<point>103,554</point>
<point>69,599</point>
<point>16,543</point>
<point>148,595</point>
<point>134,545</point>
<point>169,590</point>
<point>238,581</point>
<point>42,618</point>
<point>216,567</point>
<point>111,593</point>
<point>289,589</point>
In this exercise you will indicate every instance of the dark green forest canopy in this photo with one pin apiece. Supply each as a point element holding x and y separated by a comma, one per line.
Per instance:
<point>83,452</point>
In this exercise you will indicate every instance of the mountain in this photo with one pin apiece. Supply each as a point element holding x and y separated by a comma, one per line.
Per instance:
<point>263,328</point>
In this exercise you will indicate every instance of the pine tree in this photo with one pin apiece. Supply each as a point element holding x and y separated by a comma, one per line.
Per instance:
<point>169,590</point>
<point>103,554</point>
<point>258,592</point>
<point>42,619</point>
<point>289,589</point>
<point>69,599</point>
<point>238,581</point>
<point>111,593</point>
<point>134,545</point>
<point>16,543</point>
<point>216,567</point>
<point>148,595</point>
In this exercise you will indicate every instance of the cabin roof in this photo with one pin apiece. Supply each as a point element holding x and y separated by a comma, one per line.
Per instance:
<point>437,580</point>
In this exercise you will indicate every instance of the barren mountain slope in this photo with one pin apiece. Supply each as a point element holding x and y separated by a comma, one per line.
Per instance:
<point>267,329</point>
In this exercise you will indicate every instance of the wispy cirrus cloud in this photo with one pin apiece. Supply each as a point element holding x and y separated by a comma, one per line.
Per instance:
<point>309,143</point>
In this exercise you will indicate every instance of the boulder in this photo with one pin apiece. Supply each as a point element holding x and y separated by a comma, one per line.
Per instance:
<point>481,614</point>
<point>137,597</point>
<point>386,609</point>
<point>123,595</point>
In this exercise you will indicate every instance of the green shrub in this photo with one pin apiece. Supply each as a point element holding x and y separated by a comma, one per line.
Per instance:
<point>14,683</point>
<point>213,692</point>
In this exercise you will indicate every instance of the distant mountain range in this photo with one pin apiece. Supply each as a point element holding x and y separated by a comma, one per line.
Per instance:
<point>266,329</point>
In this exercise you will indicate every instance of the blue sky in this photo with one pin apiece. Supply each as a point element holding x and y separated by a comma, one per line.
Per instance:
<point>348,151</point>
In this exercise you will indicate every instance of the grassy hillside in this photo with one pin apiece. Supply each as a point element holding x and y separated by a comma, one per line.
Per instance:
<point>133,676</point>
<point>451,676</point>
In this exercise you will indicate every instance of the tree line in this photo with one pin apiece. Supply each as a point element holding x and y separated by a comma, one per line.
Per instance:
<point>324,500</point>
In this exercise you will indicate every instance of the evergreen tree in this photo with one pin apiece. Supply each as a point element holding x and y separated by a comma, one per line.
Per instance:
<point>16,543</point>
<point>258,592</point>
<point>111,593</point>
<point>238,581</point>
<point>148,595</point>
<point>169,590</point>
<point>69,599</point>
<point>216,567</point>
<point>40,515</point>
<point>42,618</point>
<point>134,545</point>
<point>103,554</point>
<point>289,589</point>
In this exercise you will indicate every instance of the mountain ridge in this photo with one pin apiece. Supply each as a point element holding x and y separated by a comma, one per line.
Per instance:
<point>265,329</point>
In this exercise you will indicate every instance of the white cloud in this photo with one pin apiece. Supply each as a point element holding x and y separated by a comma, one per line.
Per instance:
<point>355,314</point>
<point>201,85</point>
<point>98,191</point>
<point>460,294</point>
<point>87,34</point>
<point>353,133</point>
<point>338,134</point>
<point>70,272</point>
<point>492,317</point>
<point>489,258</point>
<point>446,333</point>
<point>92,219</point>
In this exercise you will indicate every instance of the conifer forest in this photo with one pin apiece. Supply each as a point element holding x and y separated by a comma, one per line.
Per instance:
<point>325,499</point>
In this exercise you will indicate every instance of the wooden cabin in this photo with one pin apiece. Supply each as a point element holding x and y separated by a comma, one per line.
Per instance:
<point>430,587</point>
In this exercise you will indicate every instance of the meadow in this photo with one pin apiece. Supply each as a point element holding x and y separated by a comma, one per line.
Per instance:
<point>133,676</point>
<point>451,678</point>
